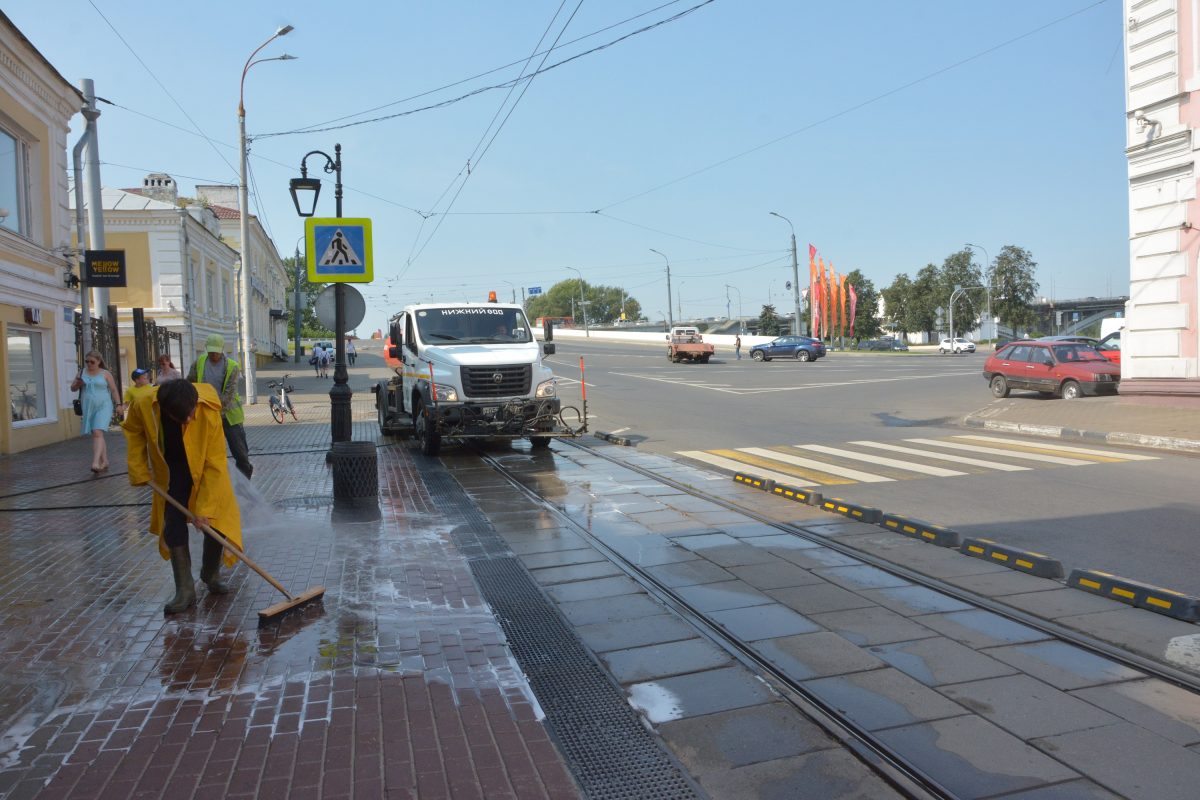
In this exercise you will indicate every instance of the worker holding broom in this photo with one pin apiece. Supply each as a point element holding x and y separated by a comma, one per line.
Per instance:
<point>175,439</point>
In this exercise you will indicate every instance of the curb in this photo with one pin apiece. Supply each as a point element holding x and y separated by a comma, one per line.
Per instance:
<point>1077,434</point>
<point>614,439</point>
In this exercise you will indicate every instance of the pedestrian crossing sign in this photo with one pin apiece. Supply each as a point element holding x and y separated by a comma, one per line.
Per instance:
<point>339,250</point>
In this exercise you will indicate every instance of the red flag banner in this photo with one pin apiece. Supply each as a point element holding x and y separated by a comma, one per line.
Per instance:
<point>840,320</point>
<point>817,299</point>
<point>812,291</point>
<point>853,305</point>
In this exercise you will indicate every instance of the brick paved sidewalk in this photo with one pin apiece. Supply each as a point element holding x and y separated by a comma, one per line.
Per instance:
<point>399,685</point>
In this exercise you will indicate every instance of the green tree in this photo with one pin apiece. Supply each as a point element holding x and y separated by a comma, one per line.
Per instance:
<point>959,270</point>
<point>896,299</point>
<point>770,323</point>
<point>604,303</point>
<point>921,311</point>
<point>310,326</point>
<point>1014,287</point>
<point>866,316</point>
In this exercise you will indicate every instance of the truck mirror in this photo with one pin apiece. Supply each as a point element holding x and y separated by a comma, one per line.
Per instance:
<point>394,352</point>
<point>548,330</point>
<point>396,335</point>
<point>548,348</point>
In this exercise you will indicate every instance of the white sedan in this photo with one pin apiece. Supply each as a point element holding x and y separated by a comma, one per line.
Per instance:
<point>958,345</point>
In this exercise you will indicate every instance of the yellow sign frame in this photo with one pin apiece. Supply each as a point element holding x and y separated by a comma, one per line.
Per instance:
<point>320,243</point>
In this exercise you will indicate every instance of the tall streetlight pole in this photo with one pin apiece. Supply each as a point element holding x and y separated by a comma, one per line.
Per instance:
<point>670,321</point>
<point>795,273</point>
<point>987,270</point>
<point>244,214</point>
<point>739,292</point>
<point>340,393</point>
<point>582,302</point>
<point>299,316</point>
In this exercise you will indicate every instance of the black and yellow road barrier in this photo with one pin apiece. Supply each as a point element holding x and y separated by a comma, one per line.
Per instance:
<point>754,481</point>
<point>614,439</point>
<point>797,495</point>
<point>915,528</point>
<point>851,510</point>
<point>1042,566</point>
<point>1136,593</point>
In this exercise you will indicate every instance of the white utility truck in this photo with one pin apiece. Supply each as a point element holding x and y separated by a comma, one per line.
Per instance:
<point>468,371</point>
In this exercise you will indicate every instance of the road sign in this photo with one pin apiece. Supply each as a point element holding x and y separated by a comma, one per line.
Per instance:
<point>325,307</point>
<point>534,290</point>
<point>339,250</point>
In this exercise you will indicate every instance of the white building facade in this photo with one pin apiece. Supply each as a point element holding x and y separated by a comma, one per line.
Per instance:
<point>1161,342</point>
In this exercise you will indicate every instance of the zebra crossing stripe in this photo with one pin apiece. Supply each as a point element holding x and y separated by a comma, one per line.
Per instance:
<point>975,462</point>
<point>822,466</point>
<point>1115,455</point>
<point>735,465</point>
<point>910,466</point>
<point>996,451</point>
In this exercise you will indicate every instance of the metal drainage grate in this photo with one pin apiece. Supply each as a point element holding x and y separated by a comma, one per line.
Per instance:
<point>312,501</point>
<point>602,738</point>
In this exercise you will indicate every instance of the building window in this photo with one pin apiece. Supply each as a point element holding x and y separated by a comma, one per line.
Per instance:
<point>225,294</point>
<point>26,377</point>
<point>13,189</point>
<point>210,286</point>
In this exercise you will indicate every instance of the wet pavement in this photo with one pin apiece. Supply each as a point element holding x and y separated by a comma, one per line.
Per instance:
<point>475,643</point>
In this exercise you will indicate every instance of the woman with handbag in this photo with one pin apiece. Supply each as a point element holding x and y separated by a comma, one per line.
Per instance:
<point>98,395</point>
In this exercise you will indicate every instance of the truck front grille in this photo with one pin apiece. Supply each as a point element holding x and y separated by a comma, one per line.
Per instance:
<point>506,381</point>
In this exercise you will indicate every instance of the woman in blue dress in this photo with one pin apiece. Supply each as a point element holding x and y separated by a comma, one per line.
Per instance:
<point>99,398</point>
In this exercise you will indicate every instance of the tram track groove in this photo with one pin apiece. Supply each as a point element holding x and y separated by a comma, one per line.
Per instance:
<point>891,766</point>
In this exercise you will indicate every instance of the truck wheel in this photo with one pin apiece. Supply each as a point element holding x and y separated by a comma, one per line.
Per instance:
<point>803,355</point>
<point>704,359</point>
<point>670,355</point>
<point>430,439</point>
<point>382,415</point>
<point>539,442</point>
<point>758,355</point>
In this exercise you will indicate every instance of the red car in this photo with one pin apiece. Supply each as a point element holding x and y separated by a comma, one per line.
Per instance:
<point>1066,369</point>
<point>1110,347</point>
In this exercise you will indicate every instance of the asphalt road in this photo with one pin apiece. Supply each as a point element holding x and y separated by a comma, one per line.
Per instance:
<point>836,423</point>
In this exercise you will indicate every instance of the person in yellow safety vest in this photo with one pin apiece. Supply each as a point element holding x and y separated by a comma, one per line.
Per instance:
<point>221,373</point>
<point>174,440</point>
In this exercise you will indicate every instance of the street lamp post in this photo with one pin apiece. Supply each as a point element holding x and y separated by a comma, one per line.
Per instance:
<point>306,187</point>
<point>987,269</point>
<point>244,214</point>
<point>795,273</point>
<point>298,317</point>
<point>739,293</point>
<point>582,302</point>
<point>670,322</point>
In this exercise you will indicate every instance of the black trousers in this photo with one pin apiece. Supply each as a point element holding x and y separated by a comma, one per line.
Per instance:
<point>235,435</point>
<point>175,526</point>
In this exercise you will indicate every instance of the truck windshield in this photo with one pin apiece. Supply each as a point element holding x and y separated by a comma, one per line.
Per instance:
<point>472,325</point>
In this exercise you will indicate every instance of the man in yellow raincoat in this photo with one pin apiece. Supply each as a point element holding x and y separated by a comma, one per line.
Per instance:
<point>175,438</point>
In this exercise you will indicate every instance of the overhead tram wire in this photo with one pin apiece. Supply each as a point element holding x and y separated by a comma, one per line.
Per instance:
<point>529,58</point>
<point>857,106</point>
<point>499,128</point>
<point>504,85</point>
<point>166,91</point>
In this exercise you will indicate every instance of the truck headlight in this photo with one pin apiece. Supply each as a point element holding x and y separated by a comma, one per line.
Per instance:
<point>546,389</point>
<point>444,394</point>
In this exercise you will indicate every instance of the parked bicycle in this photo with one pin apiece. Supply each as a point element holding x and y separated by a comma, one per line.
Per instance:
<point>281,401</point>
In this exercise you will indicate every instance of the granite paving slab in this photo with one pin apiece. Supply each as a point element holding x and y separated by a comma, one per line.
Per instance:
<point>939,661</point>
<point>872,625</point>
<point>1063,665</point>
<point>817,598</point>
<point>658,661</point>
<point>815,655</point>
<point>763,622</point>
<point>1130,761</point>
<point>979,628</point>
<point>1026,707</point>
<point>729,739</point>
<point>697,694</point>
<point>636,632</point>
<point>1160,707</point>
<point>883,698</point>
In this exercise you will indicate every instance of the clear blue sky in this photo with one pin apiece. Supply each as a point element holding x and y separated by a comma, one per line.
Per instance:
<point>889,133</point>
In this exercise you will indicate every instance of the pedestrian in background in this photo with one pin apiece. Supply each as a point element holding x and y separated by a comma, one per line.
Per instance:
<point>140,385</point>
<point>99,397</point>
<point>221,373</point>
<point>737,346</point>
<point>323,361</point>
<point>318,353</point>
<point>174,438</point>
<point>350,352</point>
<point>166,371</point>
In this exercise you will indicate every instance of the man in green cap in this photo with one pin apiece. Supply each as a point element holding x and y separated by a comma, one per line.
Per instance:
<point>221,373</point>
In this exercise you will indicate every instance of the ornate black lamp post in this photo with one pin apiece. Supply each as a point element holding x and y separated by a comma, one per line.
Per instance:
<point>305,191</point>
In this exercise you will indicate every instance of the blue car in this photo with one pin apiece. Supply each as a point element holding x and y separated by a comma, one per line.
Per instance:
<point>801,348</point>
